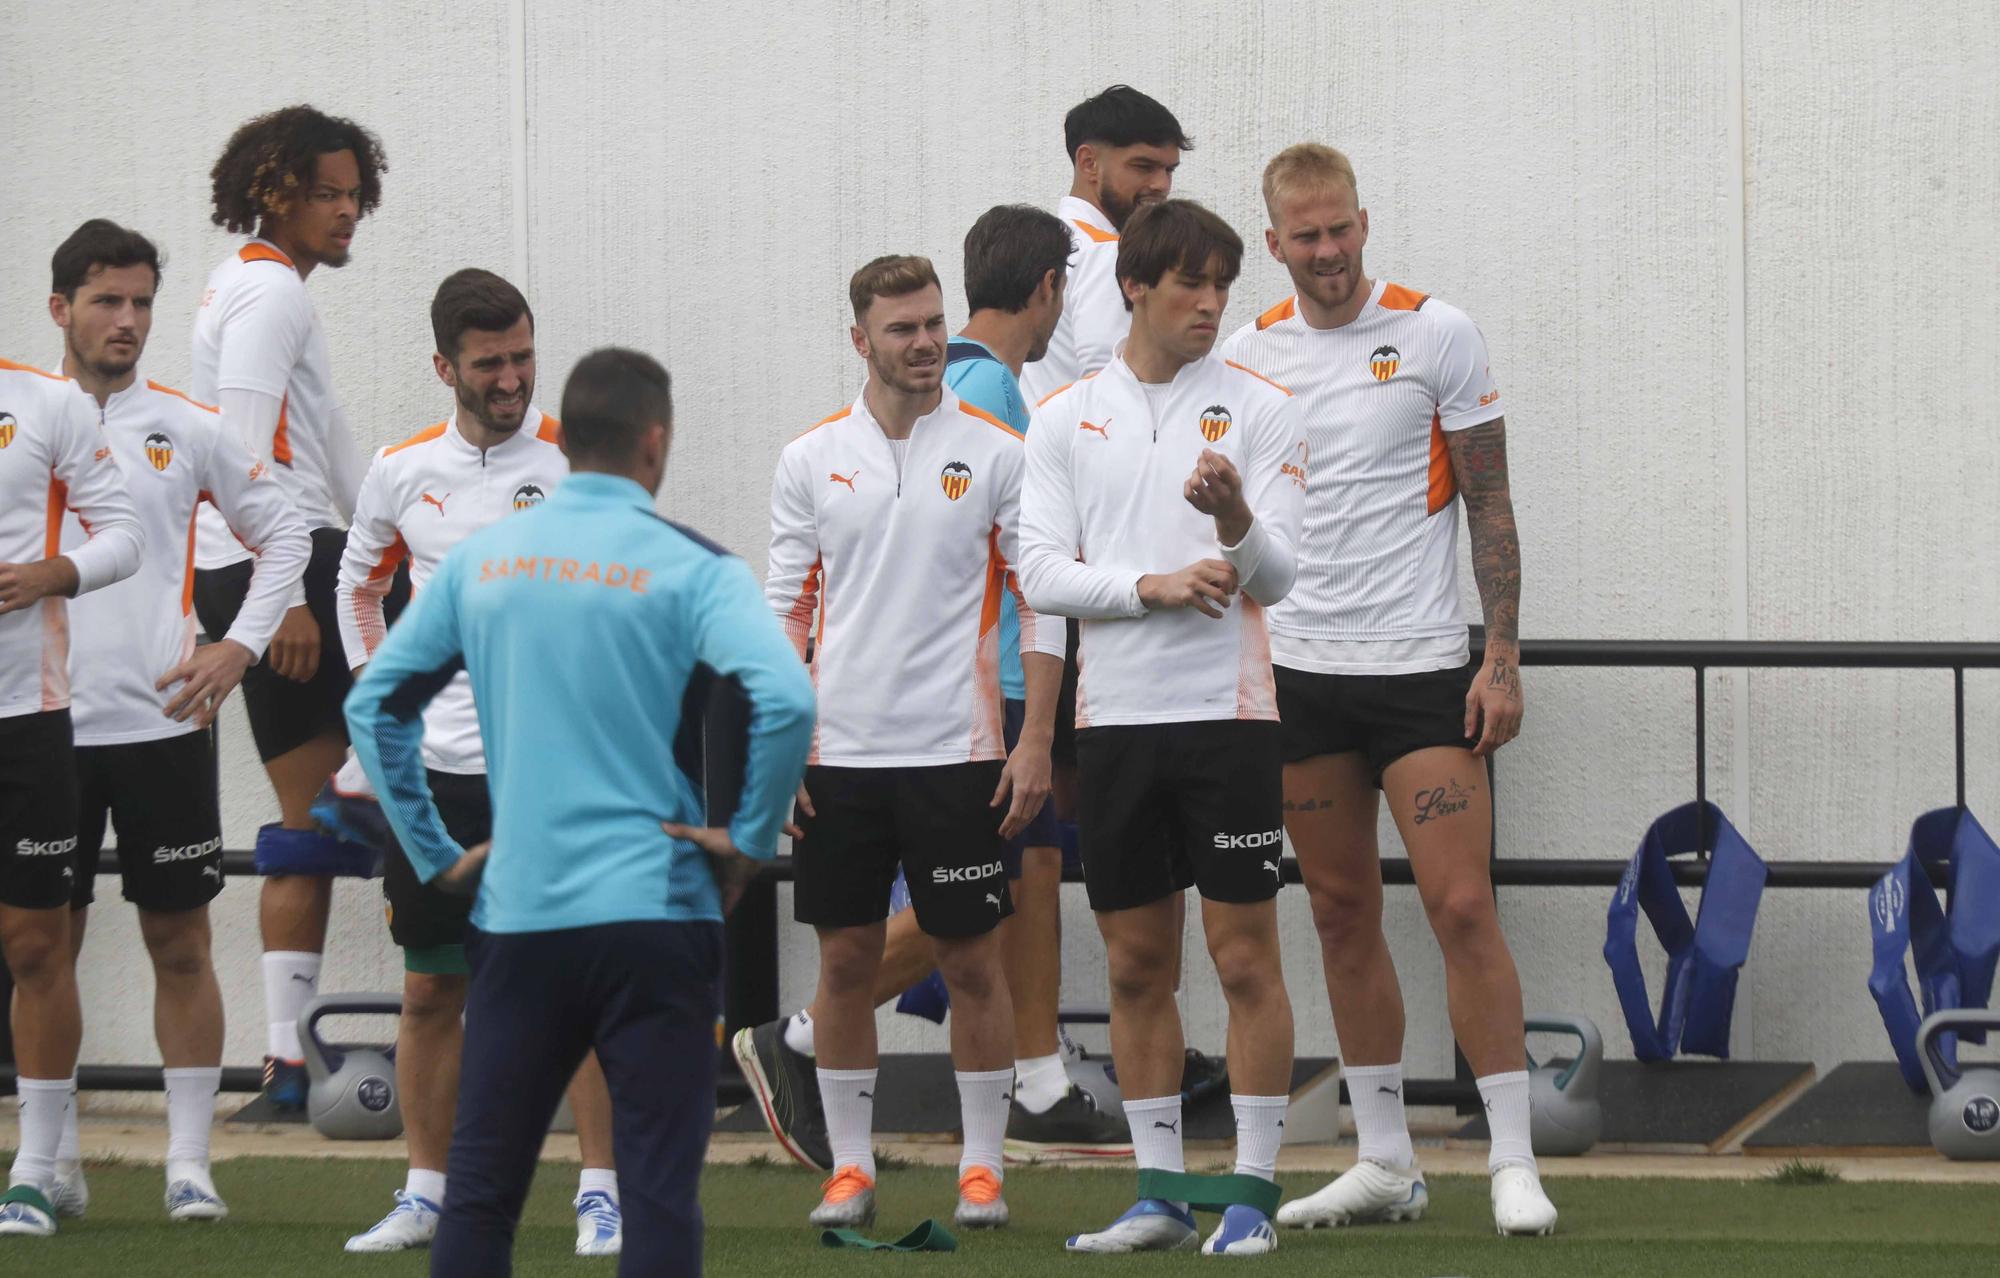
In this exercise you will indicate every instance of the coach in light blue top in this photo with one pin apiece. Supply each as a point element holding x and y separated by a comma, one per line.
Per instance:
<point>594,633</point>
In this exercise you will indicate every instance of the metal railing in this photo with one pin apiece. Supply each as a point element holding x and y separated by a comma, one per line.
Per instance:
<point>753,930</point>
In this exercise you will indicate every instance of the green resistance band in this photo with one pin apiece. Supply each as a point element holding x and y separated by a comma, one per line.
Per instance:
<point>1211,1193</point>
<point>929,1236</point>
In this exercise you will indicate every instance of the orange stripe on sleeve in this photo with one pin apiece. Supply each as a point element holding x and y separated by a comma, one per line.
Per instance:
<point>425,435</point>
<point>1060,389</point>
<point>187,568</point>
<point>264,253</point>
<point>1443,484</point>
<point>58,502</point>
<point>281,442</point>
<point>1397,298</point>
<point>168,390</point>
<point>1278,314</point>
<point>974,410</point>
<point>1097,234</point>
<point>550,431</point>
<point>10,366</point>
<point>1259,376</point>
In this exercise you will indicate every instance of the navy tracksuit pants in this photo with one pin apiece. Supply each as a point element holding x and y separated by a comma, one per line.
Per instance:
<point>646,996</point>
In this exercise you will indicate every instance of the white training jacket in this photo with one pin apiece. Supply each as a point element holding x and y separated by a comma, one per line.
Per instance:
<point>258,341</point>
<point>1104,506</point>
<point>419,499</point>
<point>893,568</point>
<point>1094,319</point>
<point>175,456</point>
<point>53,458</point>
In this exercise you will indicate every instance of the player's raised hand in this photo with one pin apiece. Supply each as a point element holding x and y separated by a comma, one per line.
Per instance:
<point>210,675</point>
<point>1204,585</point>
<point>1214,488</point>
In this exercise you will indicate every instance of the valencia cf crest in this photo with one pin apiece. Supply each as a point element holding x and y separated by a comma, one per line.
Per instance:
<point>6,429</point>
<point>955,479</point>
<point>1384,361</point>
<point>1215,422</point>
<point>528,495</point>
<point>159,450</point>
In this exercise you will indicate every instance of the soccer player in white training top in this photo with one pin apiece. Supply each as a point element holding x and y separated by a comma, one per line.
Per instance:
<point>892,538</point>
<point>1375,681</point>
<point>52,457</point>
<point>143,694</point>
<point>300,181</point>
<point>1162,509</point>
<point>497,454</point>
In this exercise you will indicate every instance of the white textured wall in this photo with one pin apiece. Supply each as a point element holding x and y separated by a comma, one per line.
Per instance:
<point>1735,264</point>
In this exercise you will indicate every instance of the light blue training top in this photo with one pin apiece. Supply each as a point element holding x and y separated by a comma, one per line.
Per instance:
<point>977,376</point>
<point>595,633</point>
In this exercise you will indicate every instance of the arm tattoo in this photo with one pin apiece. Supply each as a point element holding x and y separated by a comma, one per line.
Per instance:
<point>1479,464</point>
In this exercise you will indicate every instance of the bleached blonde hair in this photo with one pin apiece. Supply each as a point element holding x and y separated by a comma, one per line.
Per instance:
<point>1306,166</point>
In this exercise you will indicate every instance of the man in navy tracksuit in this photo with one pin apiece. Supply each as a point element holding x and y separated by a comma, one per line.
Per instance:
<point>593,632</point>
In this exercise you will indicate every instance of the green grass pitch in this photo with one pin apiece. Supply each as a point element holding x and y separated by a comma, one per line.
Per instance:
<point>289,1217</point>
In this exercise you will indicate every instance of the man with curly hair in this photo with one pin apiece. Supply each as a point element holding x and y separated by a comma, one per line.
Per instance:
<point>297,181</point>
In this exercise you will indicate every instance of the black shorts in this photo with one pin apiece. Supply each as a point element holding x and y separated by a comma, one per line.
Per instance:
<point>37,810</point>
<point>1040,831</point>
<point>424,915</point>
<point>1062,749</point>
<point>936,823</point>
<point>160,799</point>
<point>285,714</point>
<point>1383,716</point>
<point>1162,807</point>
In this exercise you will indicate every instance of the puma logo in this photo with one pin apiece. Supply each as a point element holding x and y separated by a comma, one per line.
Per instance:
<point>837,478</point>
<point>1101,431</point>
<point>213,870</point>
<point>1396,1091</point>
<point>301,976</point>
<point>438,502</point>
<point>994,899</point>
<point>1272,866</point>
<point>1174,1127</point>
<point>1489,1106</point>
<point>865,1095</point>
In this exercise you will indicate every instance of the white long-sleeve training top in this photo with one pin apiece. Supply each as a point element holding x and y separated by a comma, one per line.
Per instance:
<point>1105,506</point>
<point>890,557</point>
<point>53,458</point>
<point>175,456</point>
<point>419,499</point>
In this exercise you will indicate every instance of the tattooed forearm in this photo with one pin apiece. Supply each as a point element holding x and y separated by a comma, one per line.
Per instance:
<point>1479,464</point>
<point>1506,677</point>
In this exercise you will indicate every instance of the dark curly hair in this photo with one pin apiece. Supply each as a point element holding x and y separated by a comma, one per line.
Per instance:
<point>269,161</point>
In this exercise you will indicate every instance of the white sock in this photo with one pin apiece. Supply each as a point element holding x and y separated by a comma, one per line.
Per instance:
<point>425,1184</point>
<point>799,1033</point>
<point>69,1150</point>
<point>1506,1099</point>
<point>602,1180</point>
<point>1066,1047</point>
<point>849,1098</point>
<point>1380,1125</point>
<point>1156,1134</point>
<point>41,1102</point>
<point>1041,1082</point>
<point>982,1108</point>
<point>291,978</point>
<point>1260,1129</point>
<point>190,1113</point>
